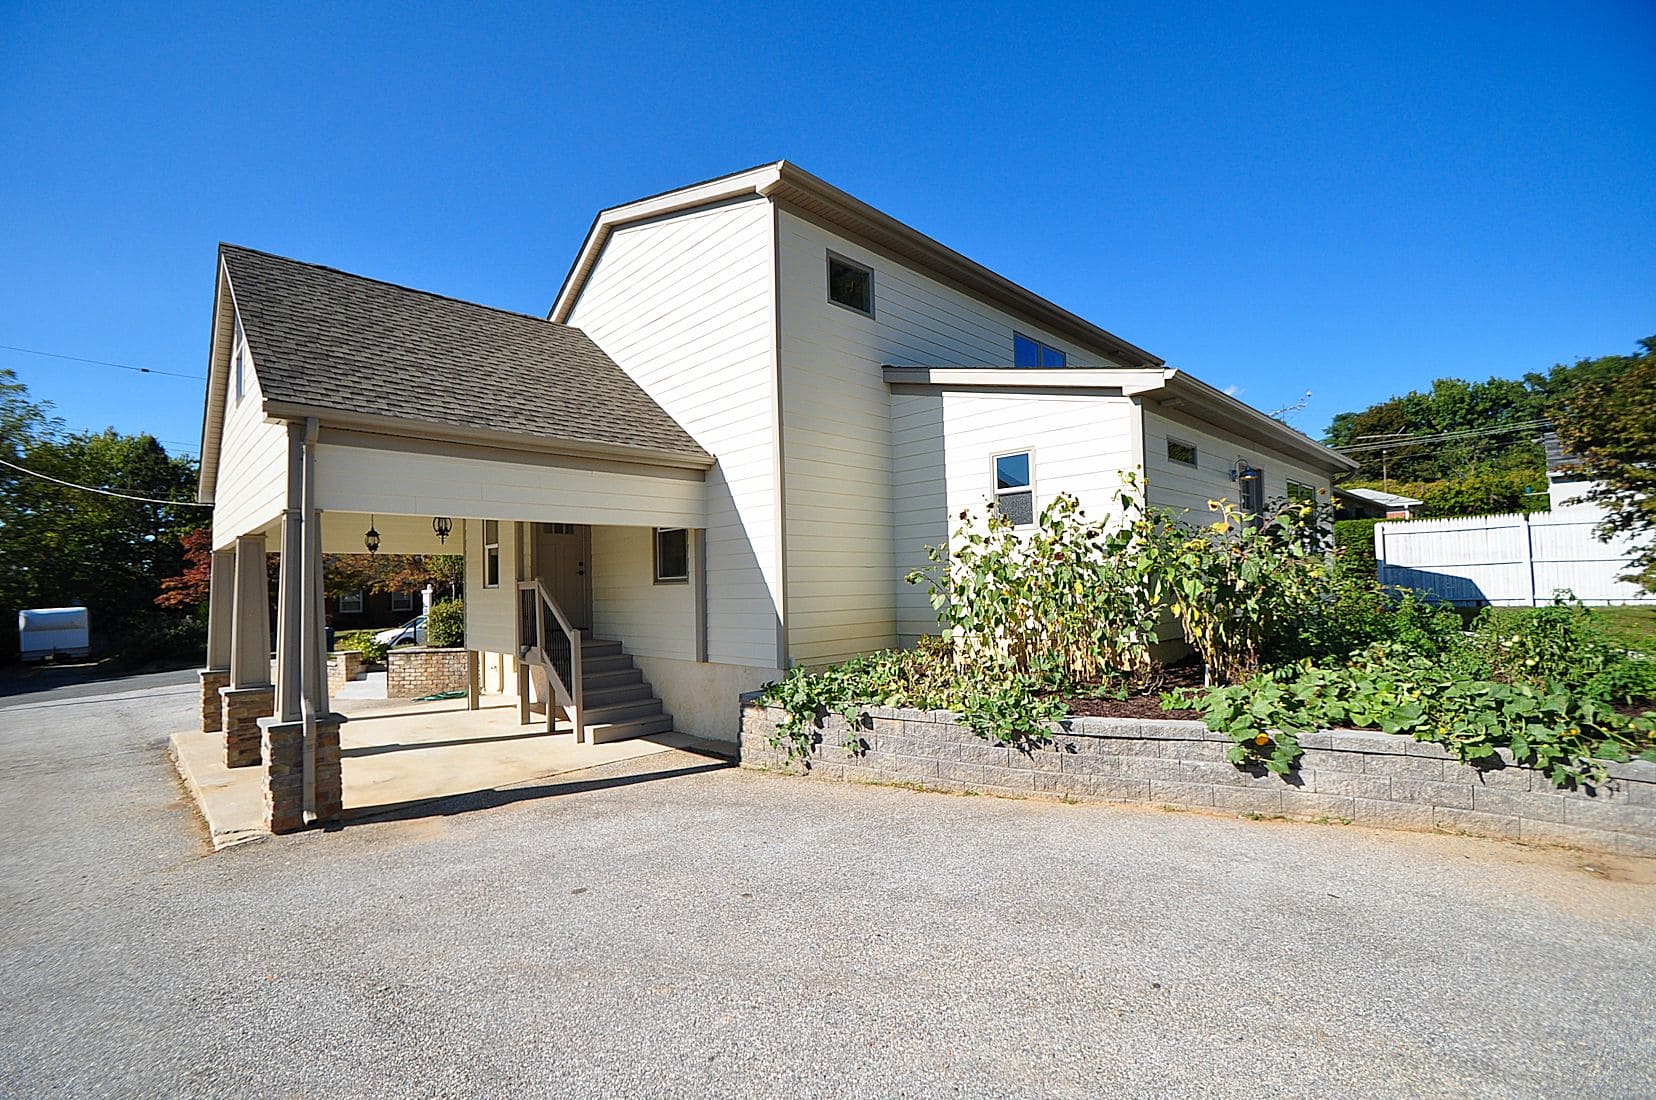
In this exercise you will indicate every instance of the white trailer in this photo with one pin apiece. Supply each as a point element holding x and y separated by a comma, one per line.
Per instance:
<point>49,631</point>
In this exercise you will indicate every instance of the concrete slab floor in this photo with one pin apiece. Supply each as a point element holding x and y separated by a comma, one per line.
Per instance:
<point>394,752</point>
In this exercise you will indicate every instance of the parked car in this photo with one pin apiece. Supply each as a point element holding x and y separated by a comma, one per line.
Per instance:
<point>413,632</point>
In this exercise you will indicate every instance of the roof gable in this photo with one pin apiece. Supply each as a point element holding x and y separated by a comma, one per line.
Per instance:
<point>329,341</point>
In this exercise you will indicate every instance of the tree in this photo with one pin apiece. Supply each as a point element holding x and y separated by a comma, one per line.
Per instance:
<point>61,545</point>
<point>189,589</point>
<point>1451,405</point>
<point>343,573</point>
<point>1607,419</point>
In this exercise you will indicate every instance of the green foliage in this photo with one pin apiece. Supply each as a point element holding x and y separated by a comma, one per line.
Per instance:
<point>1450,405</point>
<point>1548,686</point>
<point>446,623</point>
<point>61,546</point>
<point>1354,548</point>
<point>1609,422</point>
<point>153,637</point>
<point>1235,583</point>
<point>1480,492</point>
<point>1007,708</point>
<point>373,652</point>
<point>1067,602</point>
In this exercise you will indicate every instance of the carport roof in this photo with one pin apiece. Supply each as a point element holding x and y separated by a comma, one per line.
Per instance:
<point>326,340</point>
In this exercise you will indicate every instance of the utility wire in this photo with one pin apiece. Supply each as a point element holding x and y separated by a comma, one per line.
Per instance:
<point>104,492</point>
<point>1395,442</point>
<point>104,363</point>
<point>1404,437</point>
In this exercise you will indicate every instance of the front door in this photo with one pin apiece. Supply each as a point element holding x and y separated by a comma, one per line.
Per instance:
<point>562,554</point>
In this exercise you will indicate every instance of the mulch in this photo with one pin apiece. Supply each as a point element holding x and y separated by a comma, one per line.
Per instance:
<point>1146,703</point>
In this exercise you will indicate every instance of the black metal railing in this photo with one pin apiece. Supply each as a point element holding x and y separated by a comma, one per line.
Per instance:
<point>546,638</point>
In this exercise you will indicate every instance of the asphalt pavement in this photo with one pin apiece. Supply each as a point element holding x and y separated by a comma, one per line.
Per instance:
<point>673,927</point>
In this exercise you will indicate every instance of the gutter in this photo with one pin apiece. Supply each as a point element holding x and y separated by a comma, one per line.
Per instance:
<point>458,433</point>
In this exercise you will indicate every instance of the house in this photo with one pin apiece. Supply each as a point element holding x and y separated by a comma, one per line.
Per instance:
<point>1373,504</point>
<point>754,403</point>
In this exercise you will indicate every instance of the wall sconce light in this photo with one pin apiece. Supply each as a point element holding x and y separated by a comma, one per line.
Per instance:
<point>372,539</point>
<point>1243,472</point>
<point>442,527</point>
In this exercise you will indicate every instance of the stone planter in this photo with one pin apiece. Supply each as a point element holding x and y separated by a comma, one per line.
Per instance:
<point>344,666</point>
<point>1365,778</point>
<point>415,671</point>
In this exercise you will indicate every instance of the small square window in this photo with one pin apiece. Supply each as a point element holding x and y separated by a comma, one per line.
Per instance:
<point>350,603</point>
<point>1299,491</point>
<point>850,285</point>
<point>1014,488</point>
<point>491,553</point>
<point>1033,353</point>
<point>672,555</point>
<point>402,601</point>
<point>1181,452</point>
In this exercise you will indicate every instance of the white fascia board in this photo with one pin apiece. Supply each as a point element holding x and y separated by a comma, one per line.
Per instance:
<point>1116,380</point>
<point>1182,391</point>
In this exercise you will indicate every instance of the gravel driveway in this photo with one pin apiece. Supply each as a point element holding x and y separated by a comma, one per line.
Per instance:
<point>671,927</point>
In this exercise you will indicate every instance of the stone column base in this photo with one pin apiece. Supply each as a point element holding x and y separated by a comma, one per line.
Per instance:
<point>213,681</point>
<point>284,769</point>
<point>243,707</point>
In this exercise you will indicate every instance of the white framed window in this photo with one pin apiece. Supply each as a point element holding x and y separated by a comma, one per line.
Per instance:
<point>1181,452</point>
<point>241,384</point>
<point>402,601</point>
<point>1299,491</point>
<point>1028,352</point>
<point>850,285</point>
<point>350,603</point>
<point>1014,475</point>
<point>491,553</point>
<point>672,555</point>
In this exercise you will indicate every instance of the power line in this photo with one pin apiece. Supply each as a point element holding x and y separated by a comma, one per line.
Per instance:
<point>1394,442</point>
<point>104,492</point>
<point>104,363</point>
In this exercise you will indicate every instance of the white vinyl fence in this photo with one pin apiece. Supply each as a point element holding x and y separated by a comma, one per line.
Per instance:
<point>1508,560</point>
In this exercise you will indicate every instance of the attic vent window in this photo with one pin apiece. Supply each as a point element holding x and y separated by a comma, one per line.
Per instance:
<point>850,285</point>
<point>1033,353</point>
<point>240,385</point>
<point>1181,452</point>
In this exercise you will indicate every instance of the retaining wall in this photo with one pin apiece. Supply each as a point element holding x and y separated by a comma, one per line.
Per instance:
<point>412,672</point>
<point>1373,779</point>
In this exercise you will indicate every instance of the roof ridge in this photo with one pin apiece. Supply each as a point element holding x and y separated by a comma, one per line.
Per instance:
<point>394,286</point>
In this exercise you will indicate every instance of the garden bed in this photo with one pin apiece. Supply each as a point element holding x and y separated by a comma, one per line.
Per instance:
<point>1342,777</point>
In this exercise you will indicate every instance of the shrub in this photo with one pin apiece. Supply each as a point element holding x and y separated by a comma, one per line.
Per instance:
<point>158,637</point>
<point>1068,602</point>
<point>446,623</point>
<point>1354,548</point>
<point>373,652</point>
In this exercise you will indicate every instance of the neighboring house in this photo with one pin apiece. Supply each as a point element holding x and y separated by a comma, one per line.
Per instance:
<point>755,402</point>
<point>361,610</point>
<point>1372,504</point>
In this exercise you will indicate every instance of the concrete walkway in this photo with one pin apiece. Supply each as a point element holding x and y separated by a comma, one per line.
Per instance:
<point>397,752</point>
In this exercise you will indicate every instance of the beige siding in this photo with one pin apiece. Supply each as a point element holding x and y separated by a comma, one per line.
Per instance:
<point>251,490</point>
<point>491,612</point>
<point>1179,486</point>
<point>651,620</point>
<point>944,444</point>
<point>864,471</point>
<point>686,306</point>
<point>389,480</point>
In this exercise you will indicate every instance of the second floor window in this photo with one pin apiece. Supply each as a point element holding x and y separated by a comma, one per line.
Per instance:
<point>1032,353</point>
<point>850,285</point>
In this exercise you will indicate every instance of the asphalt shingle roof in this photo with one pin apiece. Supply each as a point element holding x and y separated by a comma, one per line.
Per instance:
<point>328,339</point>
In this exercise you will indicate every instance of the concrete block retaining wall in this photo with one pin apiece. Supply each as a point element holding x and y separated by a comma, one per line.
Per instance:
<point>1373,779</point>
<point>412,672</point>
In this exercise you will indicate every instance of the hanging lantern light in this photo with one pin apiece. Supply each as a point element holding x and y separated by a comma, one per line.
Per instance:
<point>443,527</point>
<point>371,540</point>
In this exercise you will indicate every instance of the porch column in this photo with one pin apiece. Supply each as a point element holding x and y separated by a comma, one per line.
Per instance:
<point>249,695</point>
<point>300,743</point>
<point>215,676</point>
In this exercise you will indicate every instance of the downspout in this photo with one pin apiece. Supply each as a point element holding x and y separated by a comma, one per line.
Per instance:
<point>310,576</point>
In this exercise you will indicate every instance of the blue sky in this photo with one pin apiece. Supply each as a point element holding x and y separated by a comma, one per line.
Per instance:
<point>1350,200</point>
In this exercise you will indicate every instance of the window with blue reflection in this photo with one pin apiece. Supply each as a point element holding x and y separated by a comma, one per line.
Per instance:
<point>1033,353</point>
<point>1012,472</point>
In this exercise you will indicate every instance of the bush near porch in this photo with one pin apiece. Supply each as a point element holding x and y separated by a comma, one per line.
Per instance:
<point>1063,618</point>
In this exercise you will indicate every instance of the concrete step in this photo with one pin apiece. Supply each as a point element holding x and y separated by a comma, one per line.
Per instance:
<point>645,707</point>
<point>625,693</point>
<point>629,728</point>
<point>615,662</point>
<point>599,681</point>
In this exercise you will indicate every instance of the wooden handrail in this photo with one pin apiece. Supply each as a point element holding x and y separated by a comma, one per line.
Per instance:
<point>571,694</point>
